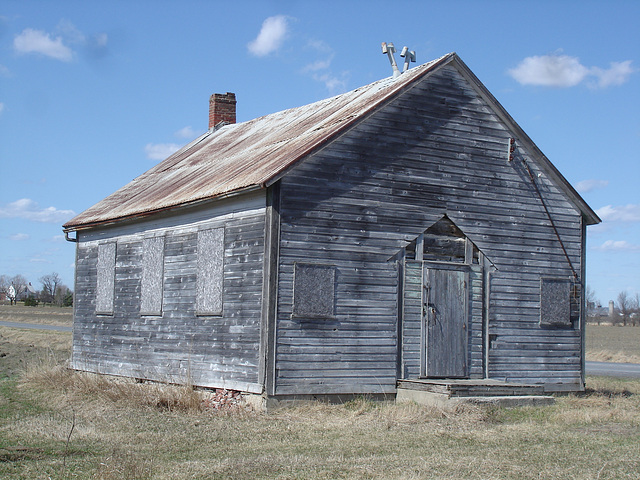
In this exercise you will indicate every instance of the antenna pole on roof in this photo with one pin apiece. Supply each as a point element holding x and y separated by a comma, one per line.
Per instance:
<point>409,56</point>
<point>389,49</point>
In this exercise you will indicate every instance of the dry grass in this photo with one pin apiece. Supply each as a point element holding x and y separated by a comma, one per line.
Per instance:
<point>37,338</point>
<point>72,387</point>
<point>126,430</point>
<point>606,343</point>
<point>21,348</point>
<point>59,316</point>
<point>57,423</point>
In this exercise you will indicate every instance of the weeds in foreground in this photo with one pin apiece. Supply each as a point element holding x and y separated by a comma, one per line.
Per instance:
<point>127,430</point>
<point>119,466</point>
<point>73,386</point>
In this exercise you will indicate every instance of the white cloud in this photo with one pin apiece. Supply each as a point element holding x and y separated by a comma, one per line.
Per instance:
<point>320,69</point>
<point>272,34</point>
<point>160,151</point>
<point>320,46</point>
<point>19,237</point>
<point>4,71</point>
<point>100,39</point>
<point>1,107</point>
<point>39,260</point>
<point>37,41</point>
<point>96,46</point>
<point>331,82</point>
<point>617,74</point>
<point>58,45</point>
<point>566,71</point>
<point>27,209</point>
<point>69,31</point>
<point>618,246</point>
<point>187,132</point>
<point>620,213</point>
<point>588,185</point>
<point>317,65</point>
<point>550,71</point>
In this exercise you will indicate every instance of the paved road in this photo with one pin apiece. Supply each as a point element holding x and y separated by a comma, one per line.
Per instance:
<point>37,326</point>
<point>607,369</point>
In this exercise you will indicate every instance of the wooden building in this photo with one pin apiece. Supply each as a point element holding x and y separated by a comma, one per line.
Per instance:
<point>407,229</point>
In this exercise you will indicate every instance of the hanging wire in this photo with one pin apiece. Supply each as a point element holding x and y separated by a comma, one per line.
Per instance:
<point>546,209</point>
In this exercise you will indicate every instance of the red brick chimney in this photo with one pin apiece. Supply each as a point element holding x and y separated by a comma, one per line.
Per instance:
<point>222,108</point>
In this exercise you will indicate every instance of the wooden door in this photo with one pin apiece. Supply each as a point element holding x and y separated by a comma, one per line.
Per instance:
<point>445,338</point>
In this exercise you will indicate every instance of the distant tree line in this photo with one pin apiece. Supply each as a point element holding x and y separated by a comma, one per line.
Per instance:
<point>19,289</point>
<point>625,311</point>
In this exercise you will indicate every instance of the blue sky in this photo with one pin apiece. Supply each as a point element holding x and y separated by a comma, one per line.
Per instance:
<point>92,94</point>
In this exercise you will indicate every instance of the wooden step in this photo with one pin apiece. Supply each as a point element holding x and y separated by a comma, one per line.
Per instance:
<point>471,388</point>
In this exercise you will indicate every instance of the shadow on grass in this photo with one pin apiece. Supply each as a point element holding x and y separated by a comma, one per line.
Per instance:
<point>609,393</point>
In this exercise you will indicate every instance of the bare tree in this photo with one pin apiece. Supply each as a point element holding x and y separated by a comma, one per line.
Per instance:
<point>635,307</point>
<point>50,284</point>
<point>19,284</point>
<point>592,302</point>
<point>4,285</point>
<point>64,296</point>
<point>624,306</point>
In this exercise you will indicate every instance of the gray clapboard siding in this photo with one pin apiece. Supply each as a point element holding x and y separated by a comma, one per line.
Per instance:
<point>351,205</point>
<point>355,217</point>
<point>217,351</point>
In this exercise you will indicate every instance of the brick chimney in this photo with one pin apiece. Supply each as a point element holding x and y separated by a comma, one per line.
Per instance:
<point>222,108</point>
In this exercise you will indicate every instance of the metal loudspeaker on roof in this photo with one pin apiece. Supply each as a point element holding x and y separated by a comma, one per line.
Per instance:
<point>409,56</point>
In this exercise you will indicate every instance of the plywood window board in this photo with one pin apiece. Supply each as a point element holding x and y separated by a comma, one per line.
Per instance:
<point>210,271</point>
<point>555,301</point>
<point>151,288</point>
<point>314,290</point>
<point>106,273</point>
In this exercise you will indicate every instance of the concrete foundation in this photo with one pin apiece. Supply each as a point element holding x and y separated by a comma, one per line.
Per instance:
<point>444,400</point>
<point>450,392</point>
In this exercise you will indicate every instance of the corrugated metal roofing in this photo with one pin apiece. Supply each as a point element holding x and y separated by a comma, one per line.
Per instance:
<point>250,155</point>
<point>244,155</point>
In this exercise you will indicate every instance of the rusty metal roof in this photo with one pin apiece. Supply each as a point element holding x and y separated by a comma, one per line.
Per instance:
<point>245,155</point>
<point>251,155</point>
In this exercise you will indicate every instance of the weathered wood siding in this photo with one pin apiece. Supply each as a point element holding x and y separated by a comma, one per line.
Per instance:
<point>177,345</point>
<point>436,149</point>
<point>411,338</point>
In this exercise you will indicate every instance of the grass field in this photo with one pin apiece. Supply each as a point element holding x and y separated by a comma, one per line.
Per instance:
<point>606,343</point>
<point>49,315</point>
<point>59,424</point>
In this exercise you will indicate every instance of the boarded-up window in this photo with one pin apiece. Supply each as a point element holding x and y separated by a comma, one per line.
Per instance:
<point>152,276</point>
<point>106,272</point>
<point>210,271</point>
<point>555,301</point>
<point>314,290</point>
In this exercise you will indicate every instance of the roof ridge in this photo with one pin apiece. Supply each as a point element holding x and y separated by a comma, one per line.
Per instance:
<point>387,80</point>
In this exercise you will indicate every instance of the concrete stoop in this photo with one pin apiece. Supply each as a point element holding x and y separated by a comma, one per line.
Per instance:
<point>481,392</point>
